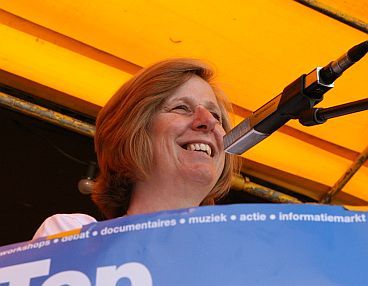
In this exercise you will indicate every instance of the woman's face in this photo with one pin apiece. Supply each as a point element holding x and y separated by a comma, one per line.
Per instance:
<point>187,136</point>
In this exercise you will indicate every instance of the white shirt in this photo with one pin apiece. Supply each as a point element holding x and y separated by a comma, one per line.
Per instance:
<point>61,223</point>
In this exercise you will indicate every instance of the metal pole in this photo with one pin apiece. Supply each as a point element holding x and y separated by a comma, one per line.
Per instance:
<point>240,183</point>
<point>326,199</point>
<point>48,115</point>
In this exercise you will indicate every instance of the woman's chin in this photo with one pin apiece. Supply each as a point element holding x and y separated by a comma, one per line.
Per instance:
<point>203,177</point>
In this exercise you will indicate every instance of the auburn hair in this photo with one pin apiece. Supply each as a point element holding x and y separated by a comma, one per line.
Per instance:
<point>122,139</point>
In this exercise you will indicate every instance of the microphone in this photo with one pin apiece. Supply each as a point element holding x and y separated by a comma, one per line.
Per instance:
<point>299,96</point>
<point>334,69</point>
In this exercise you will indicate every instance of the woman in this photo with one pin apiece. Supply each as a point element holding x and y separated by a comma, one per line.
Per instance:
<point>159,145</point>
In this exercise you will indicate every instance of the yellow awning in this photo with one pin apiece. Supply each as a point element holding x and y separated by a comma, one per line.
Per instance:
<point>87,49</point>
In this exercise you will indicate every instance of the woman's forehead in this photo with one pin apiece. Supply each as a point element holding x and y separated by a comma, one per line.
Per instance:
<point>195,91</point>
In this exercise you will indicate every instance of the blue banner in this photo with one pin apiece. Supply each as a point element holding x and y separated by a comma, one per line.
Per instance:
<point>220,245</point>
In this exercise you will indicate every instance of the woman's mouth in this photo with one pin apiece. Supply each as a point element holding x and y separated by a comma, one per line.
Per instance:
<point>199,147</point>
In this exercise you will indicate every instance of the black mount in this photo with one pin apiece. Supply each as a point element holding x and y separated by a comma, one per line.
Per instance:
<point>316,116</point>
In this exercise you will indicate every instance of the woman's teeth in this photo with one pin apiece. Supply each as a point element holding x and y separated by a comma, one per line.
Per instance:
<point>200,147</point>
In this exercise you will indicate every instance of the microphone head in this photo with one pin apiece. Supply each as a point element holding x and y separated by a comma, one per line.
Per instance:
<point>358,51</point>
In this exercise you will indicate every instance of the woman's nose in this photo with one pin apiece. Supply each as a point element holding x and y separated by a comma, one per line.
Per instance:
<point>203,119</point>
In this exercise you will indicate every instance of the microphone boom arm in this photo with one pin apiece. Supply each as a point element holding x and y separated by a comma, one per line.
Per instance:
<point>301,95</point>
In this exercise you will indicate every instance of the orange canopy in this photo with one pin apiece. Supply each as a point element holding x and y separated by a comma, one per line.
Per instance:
<point>88,49</point>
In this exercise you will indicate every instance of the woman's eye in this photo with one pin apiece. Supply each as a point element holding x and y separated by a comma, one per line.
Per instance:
<point>216,116</point>
<point>181,107</point>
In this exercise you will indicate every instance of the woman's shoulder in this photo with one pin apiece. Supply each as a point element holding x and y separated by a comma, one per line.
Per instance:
<point>61,223</point>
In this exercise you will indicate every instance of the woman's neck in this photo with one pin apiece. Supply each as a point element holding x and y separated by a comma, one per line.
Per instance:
<point>151,197</point>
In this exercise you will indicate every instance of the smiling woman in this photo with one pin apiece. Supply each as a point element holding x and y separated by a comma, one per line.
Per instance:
<point>180,130</point>
<point>159,144</point>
